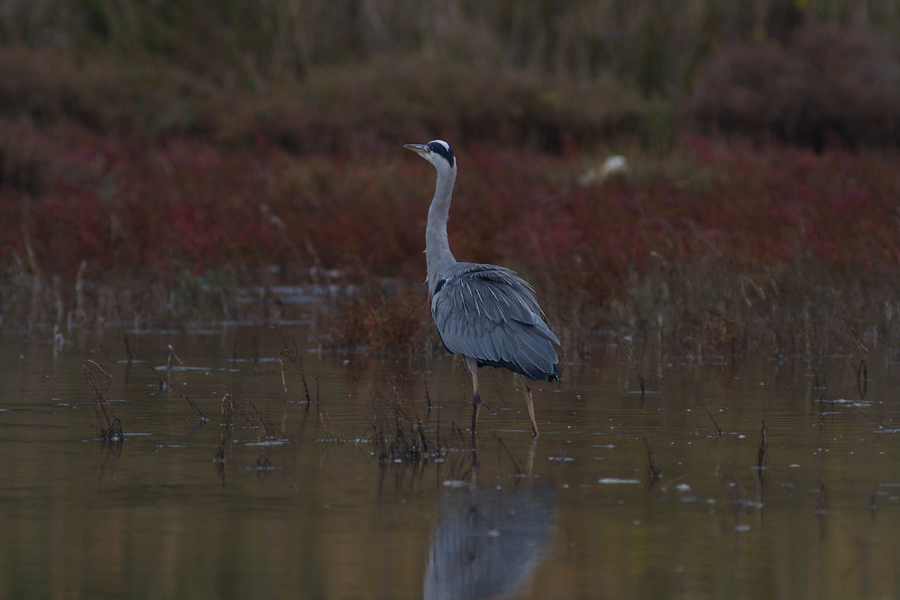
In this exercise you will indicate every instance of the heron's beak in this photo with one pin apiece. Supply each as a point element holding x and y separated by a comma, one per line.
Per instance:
<point>419,149</point>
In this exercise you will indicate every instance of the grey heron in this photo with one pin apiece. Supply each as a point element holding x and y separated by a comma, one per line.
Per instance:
<point>486,313</point>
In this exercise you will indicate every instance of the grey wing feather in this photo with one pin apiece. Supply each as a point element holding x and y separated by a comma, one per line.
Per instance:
<point>490,313</point>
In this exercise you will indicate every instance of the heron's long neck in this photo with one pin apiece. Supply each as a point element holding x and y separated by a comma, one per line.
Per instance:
<point>437,248</point>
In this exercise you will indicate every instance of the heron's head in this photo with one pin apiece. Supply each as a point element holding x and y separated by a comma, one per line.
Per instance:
<point>438,152</point>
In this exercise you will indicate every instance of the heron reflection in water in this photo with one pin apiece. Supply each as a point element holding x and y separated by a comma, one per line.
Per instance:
<point>488,542</point>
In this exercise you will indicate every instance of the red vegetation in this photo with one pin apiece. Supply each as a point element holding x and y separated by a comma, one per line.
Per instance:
<point>186,205</point>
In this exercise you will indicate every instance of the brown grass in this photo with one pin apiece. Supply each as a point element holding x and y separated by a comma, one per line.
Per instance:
<point>109,424</point>
<point>383,317</point>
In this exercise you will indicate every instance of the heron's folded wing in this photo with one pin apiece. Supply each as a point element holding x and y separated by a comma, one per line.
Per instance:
<point>489,313</point>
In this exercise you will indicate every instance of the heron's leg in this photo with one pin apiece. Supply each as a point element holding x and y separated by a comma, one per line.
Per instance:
<point>529,402</point>
<point>476,396</point>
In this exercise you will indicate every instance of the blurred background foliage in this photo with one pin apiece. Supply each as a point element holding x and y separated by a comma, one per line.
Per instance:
<point>326,75</point>
<point>158,158</point>
<point>655,45</point>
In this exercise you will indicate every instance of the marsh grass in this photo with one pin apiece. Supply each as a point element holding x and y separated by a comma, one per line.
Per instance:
<point>862,379</point>
<point>260,419</point>
<point>233,406</point>
<point>223,452</point>
<point>776,249</point>
<point>170,383</point>
<point>803,308</point>
<point>142,193</point>
<point>328,431</point>
<point>383,317</point>
<point>401,436</point>
<point>884,426</point>
<point>288,351</point>
<point>762,458</point>
<point>719,431</point>
<point>109,424</point>
<point>762,455</point>
<point>405,429</point>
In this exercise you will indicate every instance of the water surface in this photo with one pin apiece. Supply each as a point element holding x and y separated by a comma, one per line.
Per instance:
<point>673,493</point>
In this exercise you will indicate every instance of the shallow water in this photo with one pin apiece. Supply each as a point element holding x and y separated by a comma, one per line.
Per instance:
<point>296,504</point>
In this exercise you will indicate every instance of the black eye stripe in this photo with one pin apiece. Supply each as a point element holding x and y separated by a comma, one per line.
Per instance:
<point>443,150</point>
